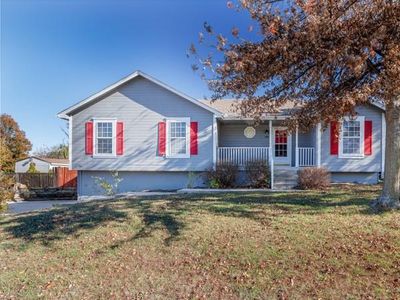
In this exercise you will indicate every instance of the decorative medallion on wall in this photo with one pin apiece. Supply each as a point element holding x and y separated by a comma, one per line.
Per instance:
<point>249,132</point>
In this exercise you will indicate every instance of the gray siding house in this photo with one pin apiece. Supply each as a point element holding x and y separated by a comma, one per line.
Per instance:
<point>159,138</point>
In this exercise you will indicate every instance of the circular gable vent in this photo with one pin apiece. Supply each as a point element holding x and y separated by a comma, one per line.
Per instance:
<point>249,132</point>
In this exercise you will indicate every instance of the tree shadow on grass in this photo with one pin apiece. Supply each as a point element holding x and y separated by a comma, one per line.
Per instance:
<point>313,202</point>
<point>159,213</point>
<point>168,214</point>
<point>55,224</point>
<point>157,217</point>
<point>153,221</point>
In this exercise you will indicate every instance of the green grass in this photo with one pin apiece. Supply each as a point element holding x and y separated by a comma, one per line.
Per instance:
<point>238,245</point>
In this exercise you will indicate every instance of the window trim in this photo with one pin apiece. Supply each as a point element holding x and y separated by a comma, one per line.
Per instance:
<point>114,135</point>
<point>168,140</point>
<point>360,119</point>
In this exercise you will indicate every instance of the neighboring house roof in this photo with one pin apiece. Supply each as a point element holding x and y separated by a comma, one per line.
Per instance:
<point>227,107</point>
<point>69,111</point>
<point>56,161</point>
<point>52,161</point>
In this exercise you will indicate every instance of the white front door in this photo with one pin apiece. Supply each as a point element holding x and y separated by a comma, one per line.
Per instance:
<point>281,146</point>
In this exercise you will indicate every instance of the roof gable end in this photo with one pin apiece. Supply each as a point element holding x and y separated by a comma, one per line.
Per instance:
<point>70,111</point>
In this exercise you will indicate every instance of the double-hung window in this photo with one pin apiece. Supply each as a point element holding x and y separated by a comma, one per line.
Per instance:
<point>178,137</point>
<point>352,137</point>
<point>104,141</point>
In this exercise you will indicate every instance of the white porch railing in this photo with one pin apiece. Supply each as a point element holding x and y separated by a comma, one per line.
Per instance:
<point>306,156</point>
<point>243,155</point>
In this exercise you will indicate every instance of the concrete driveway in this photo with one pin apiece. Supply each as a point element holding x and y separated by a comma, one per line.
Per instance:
<point>28,206</point>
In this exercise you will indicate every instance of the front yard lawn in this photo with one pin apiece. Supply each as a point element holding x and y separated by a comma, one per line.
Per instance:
<point>237,245</point>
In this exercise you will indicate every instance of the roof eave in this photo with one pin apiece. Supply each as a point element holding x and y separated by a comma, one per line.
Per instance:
<point>62,116</point>
<point>267,118</point>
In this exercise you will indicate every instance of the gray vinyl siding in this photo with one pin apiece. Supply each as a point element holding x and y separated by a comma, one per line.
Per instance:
<point>306,139</point>
<point>232,135</point>
<point>141,105</point>
<point>369,163</point>
<point>352,177</point>
<point>313,141</point>
<point>138,181</point>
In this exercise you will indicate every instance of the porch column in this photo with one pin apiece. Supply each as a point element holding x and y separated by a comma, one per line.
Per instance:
<point>271,155</point>
<point>318,150</point>
<point>270,133</point>
<point>296,148</point>
<point>215,142</point>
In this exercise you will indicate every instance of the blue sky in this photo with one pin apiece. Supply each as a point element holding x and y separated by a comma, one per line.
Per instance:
<point>57,52</point>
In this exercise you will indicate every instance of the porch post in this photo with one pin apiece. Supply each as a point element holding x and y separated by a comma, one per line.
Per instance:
<point>271,156</point>
<point>318,152</point>
<point>215,141</point>
<point>296,154</point>
<point>270,133</point>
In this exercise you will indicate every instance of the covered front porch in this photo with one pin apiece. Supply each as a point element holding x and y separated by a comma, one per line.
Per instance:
<point>241,141</point>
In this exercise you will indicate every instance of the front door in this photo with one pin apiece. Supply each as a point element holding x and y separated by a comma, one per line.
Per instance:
<point>281,146</point>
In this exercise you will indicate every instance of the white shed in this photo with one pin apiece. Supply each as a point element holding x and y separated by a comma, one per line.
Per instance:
<point>42,164</point>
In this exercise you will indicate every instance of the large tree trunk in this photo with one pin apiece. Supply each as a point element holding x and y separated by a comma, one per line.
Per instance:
<point>390,197</point>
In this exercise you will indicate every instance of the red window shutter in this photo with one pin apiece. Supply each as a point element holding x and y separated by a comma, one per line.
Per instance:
<point>368,137</point>
<point>194,149</point>
<point>334,138</point>
<point>120,138</point>
<point>89,138</point>
<point>161,138</point>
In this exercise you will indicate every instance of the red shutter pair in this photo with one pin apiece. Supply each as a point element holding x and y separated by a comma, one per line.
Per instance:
<point>89,138</point>
<point>162,138</point>
<point>334,133</point>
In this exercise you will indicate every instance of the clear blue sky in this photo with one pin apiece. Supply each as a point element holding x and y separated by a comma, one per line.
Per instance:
<point>57,52</point>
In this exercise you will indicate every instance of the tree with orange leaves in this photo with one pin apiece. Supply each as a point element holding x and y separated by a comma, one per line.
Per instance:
<point>328,56</point>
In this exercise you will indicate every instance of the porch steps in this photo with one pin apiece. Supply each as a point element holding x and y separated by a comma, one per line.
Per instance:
<point>285,179</point>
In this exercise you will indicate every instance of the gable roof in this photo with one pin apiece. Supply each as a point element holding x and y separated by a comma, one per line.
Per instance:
<point>69,111</point>
<point>56,161</point>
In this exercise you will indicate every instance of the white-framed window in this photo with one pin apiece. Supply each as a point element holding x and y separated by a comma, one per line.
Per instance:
<point>352,137</point>
<point>104,137</point>
<point>178,138</point>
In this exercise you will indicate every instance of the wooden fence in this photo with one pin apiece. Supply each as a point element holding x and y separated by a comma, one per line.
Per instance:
<point>65,178</point>
<point>60,178</point>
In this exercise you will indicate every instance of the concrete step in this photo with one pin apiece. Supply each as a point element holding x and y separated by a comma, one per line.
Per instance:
<point>285,172</point>
<point>285,183</point>
<point>284,186</point>
<point>285,178</point>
